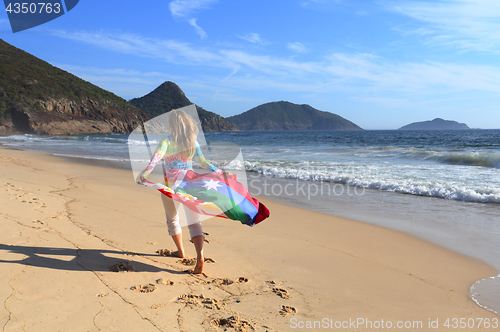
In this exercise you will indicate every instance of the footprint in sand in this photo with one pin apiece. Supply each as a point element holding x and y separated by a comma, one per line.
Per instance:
<point>283,293</point>
<point>122,267</point>
<point>190,271</point>
<point>192,261</point>
<point>158,306</point>
<point>201,301</point>
<point>197,282</point>
<point>187,261</point>
<point>166,253</point>
<point>286,310</point>
<point>270,282</point>
<point>34,200</point>
<point>222,282</point>
<point>144,288</point>
<point>164,281</point>
<point>227,281</point>
<point>233,322</point>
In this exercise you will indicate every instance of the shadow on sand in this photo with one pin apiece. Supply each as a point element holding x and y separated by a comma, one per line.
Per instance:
<point>77,259</point>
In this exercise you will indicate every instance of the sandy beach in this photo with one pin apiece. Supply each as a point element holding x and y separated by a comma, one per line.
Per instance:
<point>78,253</point>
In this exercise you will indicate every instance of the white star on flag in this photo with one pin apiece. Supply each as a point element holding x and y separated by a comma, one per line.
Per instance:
<point>212,184</point>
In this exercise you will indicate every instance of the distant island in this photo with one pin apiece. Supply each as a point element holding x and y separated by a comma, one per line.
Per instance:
<point>283,115</point>
<point>169,96</point>
<point>38,98</point>
<point>436,124</point>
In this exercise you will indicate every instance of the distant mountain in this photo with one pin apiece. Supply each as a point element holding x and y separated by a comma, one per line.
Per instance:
<point>169,96</point>
<point>283,115</point>
<point>36,97</point>
<point>436,124</point>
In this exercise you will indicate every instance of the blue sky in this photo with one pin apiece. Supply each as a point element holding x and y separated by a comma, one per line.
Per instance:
<point>381,64</point>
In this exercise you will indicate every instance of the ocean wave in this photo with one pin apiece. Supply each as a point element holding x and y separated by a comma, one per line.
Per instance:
<point>450,157</point>
<point>152,143</point>
<point>101,158</point>
<point>19,138</point>
<point>470,159</point>
<point>88,139</point>
<point>362,177</point>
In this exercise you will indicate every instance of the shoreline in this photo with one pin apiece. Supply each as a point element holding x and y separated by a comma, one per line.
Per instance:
<point>92,217</point>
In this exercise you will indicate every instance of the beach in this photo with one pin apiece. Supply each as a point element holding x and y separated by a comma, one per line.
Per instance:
<point>66,226</point>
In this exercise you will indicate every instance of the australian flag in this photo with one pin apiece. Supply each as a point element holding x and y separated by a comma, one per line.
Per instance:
<point>215,195</point>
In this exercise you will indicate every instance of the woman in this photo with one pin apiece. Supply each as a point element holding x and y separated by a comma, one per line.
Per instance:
<point>179,153</point>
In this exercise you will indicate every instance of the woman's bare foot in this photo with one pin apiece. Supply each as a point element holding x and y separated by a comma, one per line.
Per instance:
<point>198,269</point>
<point>178,254</point>
<point>170,253</point>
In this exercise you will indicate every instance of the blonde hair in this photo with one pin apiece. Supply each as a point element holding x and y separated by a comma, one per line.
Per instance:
<point>184,131</point>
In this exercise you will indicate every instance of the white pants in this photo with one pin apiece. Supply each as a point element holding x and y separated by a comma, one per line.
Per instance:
<point>174,226</point>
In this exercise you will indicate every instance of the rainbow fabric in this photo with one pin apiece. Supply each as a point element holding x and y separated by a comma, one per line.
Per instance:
<point>214,195</point>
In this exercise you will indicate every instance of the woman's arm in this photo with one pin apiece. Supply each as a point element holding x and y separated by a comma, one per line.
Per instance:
<point>200,159</point>
<point>160,151</point>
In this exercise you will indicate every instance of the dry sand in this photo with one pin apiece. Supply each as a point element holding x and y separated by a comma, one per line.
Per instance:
<point>66,227</point>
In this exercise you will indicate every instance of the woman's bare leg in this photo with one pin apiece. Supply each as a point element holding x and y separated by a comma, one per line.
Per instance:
<point>173,226</point>
<point>178,243</point>
<point>198,245</point>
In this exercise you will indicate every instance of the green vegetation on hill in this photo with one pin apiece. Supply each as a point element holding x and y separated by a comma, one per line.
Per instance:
<point>36,97</point>
<point>169,96</point>
<point>25,78</point>
<point>166,97</point>
<point>284,115</point>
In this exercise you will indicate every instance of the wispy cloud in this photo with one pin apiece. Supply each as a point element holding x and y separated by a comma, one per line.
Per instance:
<point>167,50</point>
<point>123,82</point>
<point>465,24</point>
<point>114,72</point>
<point>184,8</point>
<point>297,47</point>
<point>253,38</point>
<point>197,28</point>
<point>354,71</point>
<point>269,64</point>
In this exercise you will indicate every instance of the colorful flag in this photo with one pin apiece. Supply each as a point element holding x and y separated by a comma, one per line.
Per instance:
<point>214,195</point>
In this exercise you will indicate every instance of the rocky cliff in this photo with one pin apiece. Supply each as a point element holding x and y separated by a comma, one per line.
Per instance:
<point>38,98</point>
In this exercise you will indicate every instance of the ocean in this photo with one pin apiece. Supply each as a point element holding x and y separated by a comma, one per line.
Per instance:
<point>443,186</point>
